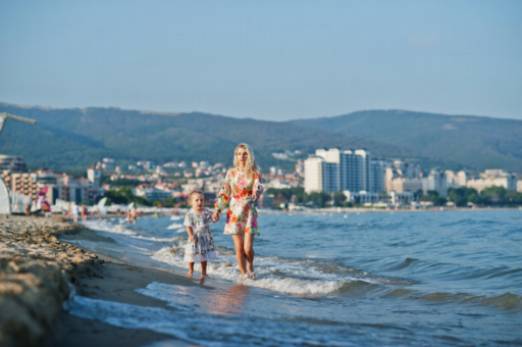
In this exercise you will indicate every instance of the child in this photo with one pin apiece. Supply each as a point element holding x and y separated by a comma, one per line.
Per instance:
<point>201,245</point>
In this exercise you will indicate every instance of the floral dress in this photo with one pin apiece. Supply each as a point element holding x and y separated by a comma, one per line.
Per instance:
<point>202,249</point>
<point>237,197</point>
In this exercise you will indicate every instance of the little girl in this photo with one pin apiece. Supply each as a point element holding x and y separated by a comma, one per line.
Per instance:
<point>200,246</point>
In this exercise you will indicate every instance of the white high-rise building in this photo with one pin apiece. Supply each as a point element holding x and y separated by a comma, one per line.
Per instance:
<point>341,171</point>
<point>313,174</point>
<point>436,181</point>
<point>377,176</point>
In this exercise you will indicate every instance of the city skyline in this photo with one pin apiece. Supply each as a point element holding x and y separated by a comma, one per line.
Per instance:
<point>269,61</point>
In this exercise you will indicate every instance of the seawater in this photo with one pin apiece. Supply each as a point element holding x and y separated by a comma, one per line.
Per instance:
<point>331,279</point>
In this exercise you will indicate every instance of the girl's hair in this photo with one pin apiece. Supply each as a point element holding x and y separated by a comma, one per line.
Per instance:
<point>194,192</point>
<point>251,162</point>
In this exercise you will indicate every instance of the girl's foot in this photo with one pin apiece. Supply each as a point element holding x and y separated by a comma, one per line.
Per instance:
<point>202,279</point>
<point>251,275</point>
<point>189,274</point>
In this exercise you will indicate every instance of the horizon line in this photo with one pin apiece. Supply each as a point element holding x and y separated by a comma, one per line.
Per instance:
<point>177,113</point>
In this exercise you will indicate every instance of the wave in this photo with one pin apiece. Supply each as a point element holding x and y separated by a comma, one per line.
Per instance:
<point>176,226</point>
<point>301,277</point>
<point>109,226</point>
<point>407,262</point>
<point>470,222</point>
<point>119,228</point>
<point>505,301</point>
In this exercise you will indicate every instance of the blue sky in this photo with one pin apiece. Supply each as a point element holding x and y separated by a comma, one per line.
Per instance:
<point>265,59</point>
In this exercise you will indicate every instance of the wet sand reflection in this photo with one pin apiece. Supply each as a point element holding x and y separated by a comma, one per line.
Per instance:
<point>228,302</point>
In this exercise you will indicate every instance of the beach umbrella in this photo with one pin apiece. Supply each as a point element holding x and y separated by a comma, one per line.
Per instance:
<point>4,194</point>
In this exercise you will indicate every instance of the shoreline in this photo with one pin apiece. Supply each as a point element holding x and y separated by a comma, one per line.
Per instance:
<point>116,282</point>
<point>352,210</point>
<point>36,271</point>
<point>39,272</point>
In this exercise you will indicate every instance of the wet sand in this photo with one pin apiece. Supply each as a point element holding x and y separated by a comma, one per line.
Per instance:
<point>38,272</point>
<point>115,282</point>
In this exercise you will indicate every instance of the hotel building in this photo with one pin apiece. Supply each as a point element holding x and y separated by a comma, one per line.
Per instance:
<point>334,170</point>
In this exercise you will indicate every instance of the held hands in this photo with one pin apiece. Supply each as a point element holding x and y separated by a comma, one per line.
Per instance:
<point>215,216</point>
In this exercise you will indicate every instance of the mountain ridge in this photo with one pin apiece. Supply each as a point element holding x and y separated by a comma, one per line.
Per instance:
<point>66,138</point>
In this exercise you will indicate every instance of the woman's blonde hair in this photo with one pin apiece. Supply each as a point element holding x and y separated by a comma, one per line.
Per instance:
<point>251,161</point>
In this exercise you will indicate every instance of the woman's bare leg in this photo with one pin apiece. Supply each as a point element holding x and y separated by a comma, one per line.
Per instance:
<point>240,253</point>
<point>190,270</point>
<point>249,251</point>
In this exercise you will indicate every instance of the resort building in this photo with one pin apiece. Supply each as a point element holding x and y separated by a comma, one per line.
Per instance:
<point>12,163</point>
<point>436,181</point>
<point>494,178</point>
<point>22,183</point>
<point>335,170</point>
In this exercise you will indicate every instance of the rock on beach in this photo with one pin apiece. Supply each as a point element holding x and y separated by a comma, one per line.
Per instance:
<point>36,270</point>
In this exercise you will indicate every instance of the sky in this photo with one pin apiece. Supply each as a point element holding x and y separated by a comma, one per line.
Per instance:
<point>264,59</point>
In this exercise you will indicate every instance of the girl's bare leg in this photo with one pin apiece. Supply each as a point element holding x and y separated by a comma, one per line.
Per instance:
<point>190,270</point>
<point>203,272</point>
<point>240,253</point>
<point>249,251</point>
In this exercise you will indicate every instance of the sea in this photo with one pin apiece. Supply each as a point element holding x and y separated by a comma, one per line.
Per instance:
<point>391,278</point>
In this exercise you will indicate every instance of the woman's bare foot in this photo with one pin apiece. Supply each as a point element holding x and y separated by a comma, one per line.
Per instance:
<point>189,274</point>
<point>251,275</point>
<point>202,279</point>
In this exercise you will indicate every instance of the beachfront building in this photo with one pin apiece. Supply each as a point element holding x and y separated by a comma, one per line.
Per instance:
<point>436,181</point>
<point>77,190</point>
<point>404,184</point>
<point>12,163</point>
<point>456,179</point>
<point>377,176</point>
<point>21,182</point>
<point>403,177</point>
<point>152,193</point>
<point>494,178</point>
<point>94,176</point>
<point>334,170</point>
<point>313,174</point>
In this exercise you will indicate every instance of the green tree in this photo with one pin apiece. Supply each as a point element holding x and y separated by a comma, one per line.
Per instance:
<point>339,199</point>
<point>125,196</point>
<point>434,197</point>
<point>462,196</point>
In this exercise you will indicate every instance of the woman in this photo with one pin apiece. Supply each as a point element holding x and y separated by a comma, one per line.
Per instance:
<point>239,196</point>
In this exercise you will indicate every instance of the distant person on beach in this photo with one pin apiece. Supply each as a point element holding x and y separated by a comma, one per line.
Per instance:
<point>84,212</point>
<point>200,246</point>
<point>74,212</point>
<point>238,196</point>
<point>132,214</point>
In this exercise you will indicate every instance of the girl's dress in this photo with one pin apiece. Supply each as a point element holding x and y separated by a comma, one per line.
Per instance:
<point>237,197</point>
<point>202,249</point>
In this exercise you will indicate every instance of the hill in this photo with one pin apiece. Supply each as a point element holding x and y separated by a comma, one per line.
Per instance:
<point>74,138</point>
<point>453,141</point>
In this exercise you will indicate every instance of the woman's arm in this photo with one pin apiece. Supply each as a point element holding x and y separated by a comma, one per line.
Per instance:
<point>223,198</point>
<point>257,188</point>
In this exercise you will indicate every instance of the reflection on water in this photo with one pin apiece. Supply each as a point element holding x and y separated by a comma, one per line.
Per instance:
<point>227,302</point>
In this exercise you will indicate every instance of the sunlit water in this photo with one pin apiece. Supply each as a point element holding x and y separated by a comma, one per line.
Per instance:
<point>358,279</point>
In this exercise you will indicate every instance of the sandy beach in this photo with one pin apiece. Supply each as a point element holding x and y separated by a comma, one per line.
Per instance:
<point>115,282</point>
<point>38,272</point>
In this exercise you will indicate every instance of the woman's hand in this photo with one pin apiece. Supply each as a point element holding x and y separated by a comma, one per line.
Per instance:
<point>215,216</point>
<point>191,238</point>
